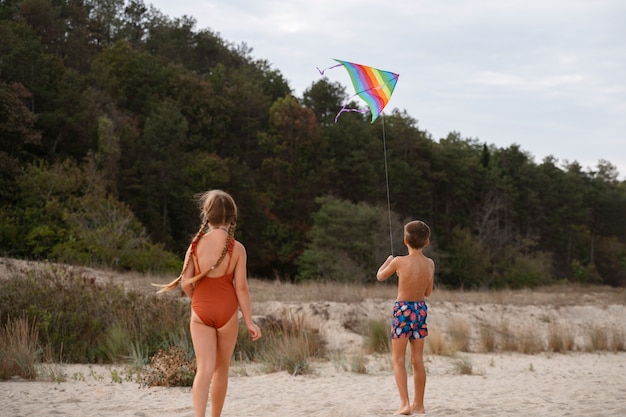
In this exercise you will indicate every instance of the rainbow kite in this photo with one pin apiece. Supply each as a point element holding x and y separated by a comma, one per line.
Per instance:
<point>374,86</point>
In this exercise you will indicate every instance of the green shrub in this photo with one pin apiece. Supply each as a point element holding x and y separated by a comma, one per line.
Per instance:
<point>347,241</point>
<point>377,338</point>
<point>81,321</point>
<point>118,342</point>
<point>528,270</point>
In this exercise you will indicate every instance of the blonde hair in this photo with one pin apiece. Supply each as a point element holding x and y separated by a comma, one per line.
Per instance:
<point>216,207</point>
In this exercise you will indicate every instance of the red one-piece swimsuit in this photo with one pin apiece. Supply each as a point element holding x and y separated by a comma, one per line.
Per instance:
<point>214,299</point>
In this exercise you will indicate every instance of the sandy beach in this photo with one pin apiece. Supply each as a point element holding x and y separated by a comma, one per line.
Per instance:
<point>577,384</point>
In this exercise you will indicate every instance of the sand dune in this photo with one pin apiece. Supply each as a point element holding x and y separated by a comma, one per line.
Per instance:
<point>577,383</point>
<point>501,384</point>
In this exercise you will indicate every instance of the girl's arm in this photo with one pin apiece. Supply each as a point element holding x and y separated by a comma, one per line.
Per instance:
<point>386,269</point>
<point>243,293</point>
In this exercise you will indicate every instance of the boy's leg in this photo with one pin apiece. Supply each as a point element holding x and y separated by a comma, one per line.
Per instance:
<point>419,375</point>
<point>398,352</point>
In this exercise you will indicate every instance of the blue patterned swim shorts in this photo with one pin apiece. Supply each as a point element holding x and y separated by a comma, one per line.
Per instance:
<point>409,320</point>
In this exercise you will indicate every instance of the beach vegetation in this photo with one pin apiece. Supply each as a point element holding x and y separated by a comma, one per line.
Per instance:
<point>290,344</point>
<point>618,339</point>
<point>170,367</point>
<point>18,349</point>
<point>487,338</point>
<point>598,339</point>
<point>78,320</point>
<point>377,337</point>
<point>463,365</point>
<point>358,363</point>
<point>460,334</point>
<point>560,338</point>
<point>438,343</point>
<point>528,342</point>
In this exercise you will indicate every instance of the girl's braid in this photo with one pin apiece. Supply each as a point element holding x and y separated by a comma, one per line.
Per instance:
<point>231,235</point>
<point>172,285</point>
<point>200,232</point>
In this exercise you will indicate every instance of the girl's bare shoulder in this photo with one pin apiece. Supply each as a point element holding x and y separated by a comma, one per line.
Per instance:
<point>239,247</point>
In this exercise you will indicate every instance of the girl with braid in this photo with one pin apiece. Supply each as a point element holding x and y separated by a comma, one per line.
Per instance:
<point>214,277</point>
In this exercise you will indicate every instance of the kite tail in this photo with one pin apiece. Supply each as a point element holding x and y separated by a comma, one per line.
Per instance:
<point>326,69</point>
<point>344,109</point>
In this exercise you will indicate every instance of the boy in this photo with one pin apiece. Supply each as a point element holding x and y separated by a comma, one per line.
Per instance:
<point>415,283</point>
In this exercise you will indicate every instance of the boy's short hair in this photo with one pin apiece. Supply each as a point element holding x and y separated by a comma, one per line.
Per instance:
<point>417,234</point>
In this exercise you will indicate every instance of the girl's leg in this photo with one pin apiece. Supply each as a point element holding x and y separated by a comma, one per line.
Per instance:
<point>226,340</point>
<point>398,352</point>
<point>419,375</point>
<point>204,340</point>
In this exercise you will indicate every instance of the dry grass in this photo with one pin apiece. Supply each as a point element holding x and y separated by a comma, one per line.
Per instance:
<point>171,367</point>
<point>357,363</point>
<point>503,338</point>
<point>463,365</point>
<point>618,341</point>
<point>506,338</point>
<point>487,339</point>
<point>437,343</point>
<point>528,341</point>
<point>18,347</point>
<point>557,295</point>
<point>560,338</point>
<point>319,291</point>
<point>459,331</point>
<point>605,339</point>
<point>598,339</point>
<point>290,343</point>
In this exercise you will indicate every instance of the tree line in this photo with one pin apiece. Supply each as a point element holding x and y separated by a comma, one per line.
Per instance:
<point>114,116</point>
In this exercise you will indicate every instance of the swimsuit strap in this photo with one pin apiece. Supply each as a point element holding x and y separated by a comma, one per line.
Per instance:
<point>194,255</point>
<point>231,246</point>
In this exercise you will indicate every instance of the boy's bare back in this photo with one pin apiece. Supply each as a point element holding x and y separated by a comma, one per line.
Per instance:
<point>415,276</point>
<point>415,271</point>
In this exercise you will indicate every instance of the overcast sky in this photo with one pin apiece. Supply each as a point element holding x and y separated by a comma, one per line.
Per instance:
<point>548,75</point>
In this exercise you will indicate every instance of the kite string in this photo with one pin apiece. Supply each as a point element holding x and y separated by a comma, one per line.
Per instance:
<point>387,183</point>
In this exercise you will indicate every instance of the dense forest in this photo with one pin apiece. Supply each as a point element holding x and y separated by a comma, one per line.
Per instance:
<point>113,117</point>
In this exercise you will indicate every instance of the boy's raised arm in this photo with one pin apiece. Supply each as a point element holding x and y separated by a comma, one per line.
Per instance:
<point>386,269</point>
